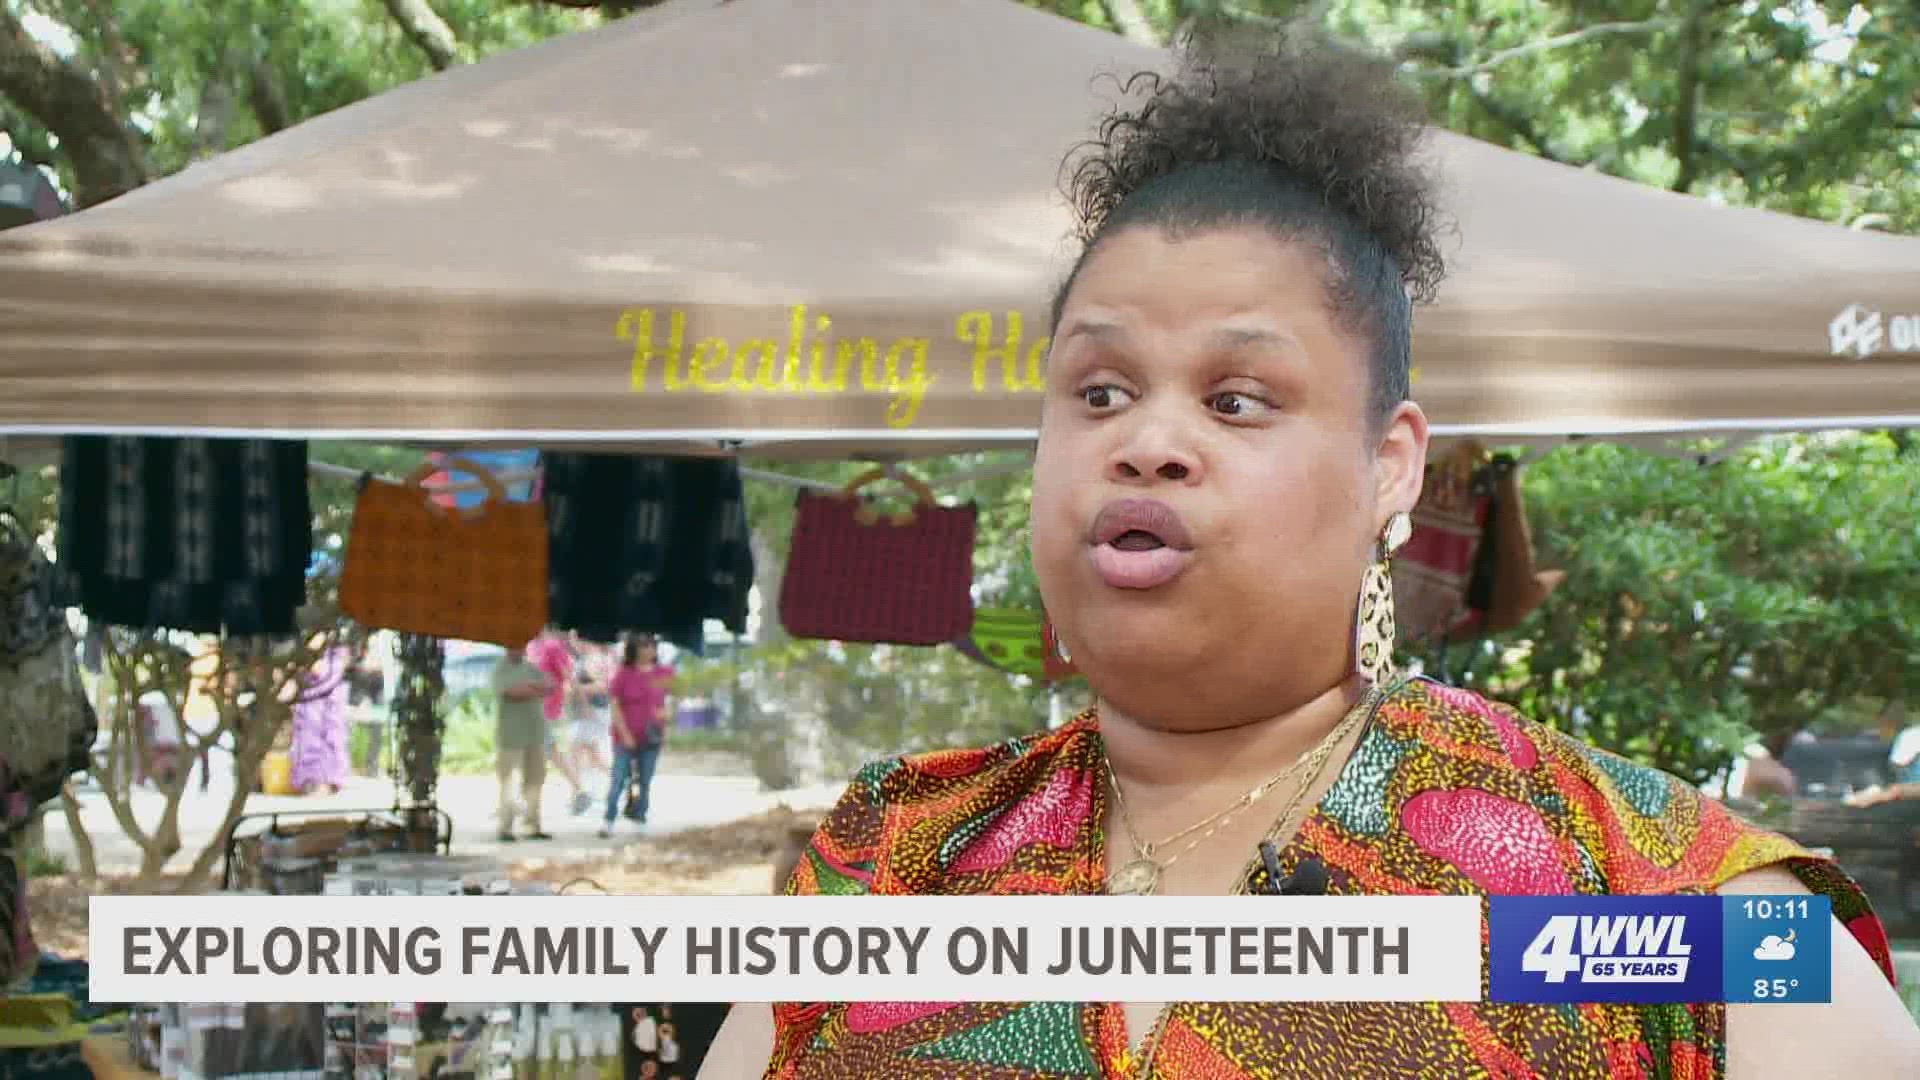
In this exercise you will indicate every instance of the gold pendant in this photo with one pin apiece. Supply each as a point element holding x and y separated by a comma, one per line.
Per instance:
<point>1138,878</point>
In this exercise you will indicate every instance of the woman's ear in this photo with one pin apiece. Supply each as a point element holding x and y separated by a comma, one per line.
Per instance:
<point>1399,462</point>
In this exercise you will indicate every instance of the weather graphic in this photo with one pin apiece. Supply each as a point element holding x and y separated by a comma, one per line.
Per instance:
<point>1774,947</point>
<point>1777,949</point>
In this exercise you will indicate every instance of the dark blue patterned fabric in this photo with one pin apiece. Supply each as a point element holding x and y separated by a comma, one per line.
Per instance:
<point>201,535</point>
<point>646,544</point>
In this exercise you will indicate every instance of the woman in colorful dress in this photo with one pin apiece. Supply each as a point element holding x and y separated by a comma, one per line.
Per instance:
<point>321,760</point>
<point>1227,459</point>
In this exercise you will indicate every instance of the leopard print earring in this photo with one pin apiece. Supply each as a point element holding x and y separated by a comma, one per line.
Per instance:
<point>1373,626</point>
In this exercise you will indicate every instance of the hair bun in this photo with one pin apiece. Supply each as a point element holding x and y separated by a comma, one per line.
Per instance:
<point>1294,104</point>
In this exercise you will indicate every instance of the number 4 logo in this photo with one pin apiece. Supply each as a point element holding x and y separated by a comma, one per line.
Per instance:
<point>1551,953</point>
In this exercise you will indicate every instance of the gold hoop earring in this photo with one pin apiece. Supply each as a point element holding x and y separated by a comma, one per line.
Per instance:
<point>1373,629</point>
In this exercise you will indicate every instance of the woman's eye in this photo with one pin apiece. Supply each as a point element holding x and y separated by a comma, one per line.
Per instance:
<point>1105,396</point>
<point>1232,403</point>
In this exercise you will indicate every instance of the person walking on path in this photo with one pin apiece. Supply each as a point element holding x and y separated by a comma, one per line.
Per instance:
<point>555,655</point>
<point>520,742</point>
<point>321,762</point>
<point>639,690</point>
<point>590,716</point>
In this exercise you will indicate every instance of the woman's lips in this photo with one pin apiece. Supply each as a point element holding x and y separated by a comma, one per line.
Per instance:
<point>1139,544</point>
<point>1151,516</point>
<point>1146,569</point>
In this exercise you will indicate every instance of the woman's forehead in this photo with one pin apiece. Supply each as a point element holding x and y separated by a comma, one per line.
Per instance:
<point>1237,287</point>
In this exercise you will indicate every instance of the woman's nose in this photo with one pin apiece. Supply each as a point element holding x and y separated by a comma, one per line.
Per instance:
<point>1154,451</point>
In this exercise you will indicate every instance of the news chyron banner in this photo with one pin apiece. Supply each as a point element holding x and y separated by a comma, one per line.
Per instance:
<point>287,949</point>
<point>1661,949</point>
<point>461,950</point>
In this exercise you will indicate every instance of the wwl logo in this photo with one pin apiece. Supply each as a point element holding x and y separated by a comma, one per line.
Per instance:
<point>1600,948</point>
<point>1863,332</point>
<point>1610,948</point>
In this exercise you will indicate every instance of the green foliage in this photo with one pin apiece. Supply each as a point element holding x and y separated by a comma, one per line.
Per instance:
<point>707,742</point>
<point>1813,109</point>
<point>33,496</point>
<point>1709,604</point>
<point>192,75</point>
<point>41,864</point>
<point>467,746</point>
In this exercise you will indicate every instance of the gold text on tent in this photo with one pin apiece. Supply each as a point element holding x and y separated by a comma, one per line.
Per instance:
<point>810,360</point>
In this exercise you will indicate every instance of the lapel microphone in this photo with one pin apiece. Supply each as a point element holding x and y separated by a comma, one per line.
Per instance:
<point>1307,879</point>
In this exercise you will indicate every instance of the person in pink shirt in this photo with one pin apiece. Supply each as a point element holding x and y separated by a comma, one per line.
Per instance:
<point>640,692</point>
<point>553,654</point>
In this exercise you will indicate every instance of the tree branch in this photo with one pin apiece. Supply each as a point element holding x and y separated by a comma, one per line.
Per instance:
<point>611,9</point>
<point>108,159</point>
<point>1522,125</point>
<point>1131,21</point>
<point>1558,41</point>
<point>426,29</point>
<point>120,71</point>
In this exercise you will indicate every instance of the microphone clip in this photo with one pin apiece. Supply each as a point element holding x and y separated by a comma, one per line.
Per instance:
<point>1307,879</point>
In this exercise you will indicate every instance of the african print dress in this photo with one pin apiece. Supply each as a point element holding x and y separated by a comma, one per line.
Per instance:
<point>1445,793</point>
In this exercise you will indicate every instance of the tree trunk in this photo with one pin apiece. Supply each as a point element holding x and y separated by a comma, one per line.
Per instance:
<point>210,125</point>
<point>769,733</point>
<point>1693,42</point>
<point>108,158</point>
<point>249,751</point>
<point>122,775</point>
<point>89,868</point>
<point>267,99</point>
<point>428,30</point>
<point>165,840</point>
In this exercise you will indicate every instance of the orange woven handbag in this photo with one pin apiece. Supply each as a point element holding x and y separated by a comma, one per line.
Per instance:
<point>418,567</point>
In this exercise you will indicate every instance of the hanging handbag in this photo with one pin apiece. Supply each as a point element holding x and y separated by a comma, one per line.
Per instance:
<point>1469,569</point>
<point>859,575</point>
<point>417,567</point>
<point>1432,572</point>
<point>47,723</point>
<point>1009,639</point>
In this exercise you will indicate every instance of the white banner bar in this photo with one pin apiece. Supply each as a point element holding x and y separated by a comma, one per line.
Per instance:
<point>775,948</point>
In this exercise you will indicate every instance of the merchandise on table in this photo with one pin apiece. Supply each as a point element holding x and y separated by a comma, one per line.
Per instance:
<point>285,859</point>
<point>666,1041</point>
<point>220,1042</point>
<point>420,1041</point>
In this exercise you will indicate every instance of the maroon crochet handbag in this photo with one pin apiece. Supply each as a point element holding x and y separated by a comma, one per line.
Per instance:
<point>857,574</point>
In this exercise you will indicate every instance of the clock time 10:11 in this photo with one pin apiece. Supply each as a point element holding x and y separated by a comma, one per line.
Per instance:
<point>1783,909</point>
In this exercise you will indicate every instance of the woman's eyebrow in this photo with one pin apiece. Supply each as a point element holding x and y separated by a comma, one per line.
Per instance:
<point>1093,327</point>
<point>1233,337</point>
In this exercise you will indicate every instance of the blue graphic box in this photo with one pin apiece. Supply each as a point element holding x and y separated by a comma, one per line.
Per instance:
<point>1778,949</point>
<point>1615,949</point>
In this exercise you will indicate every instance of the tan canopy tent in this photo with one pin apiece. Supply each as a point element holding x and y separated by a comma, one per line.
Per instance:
<point>833,225</point>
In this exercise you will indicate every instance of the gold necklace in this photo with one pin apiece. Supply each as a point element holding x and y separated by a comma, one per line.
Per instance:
<point>1141,875</point>
<point>1321,753</point>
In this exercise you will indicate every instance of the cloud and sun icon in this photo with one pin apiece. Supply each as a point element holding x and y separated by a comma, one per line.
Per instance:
<point>1775,947</point>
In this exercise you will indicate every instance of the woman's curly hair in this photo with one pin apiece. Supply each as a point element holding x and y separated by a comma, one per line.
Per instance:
<point>1291,131</point>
